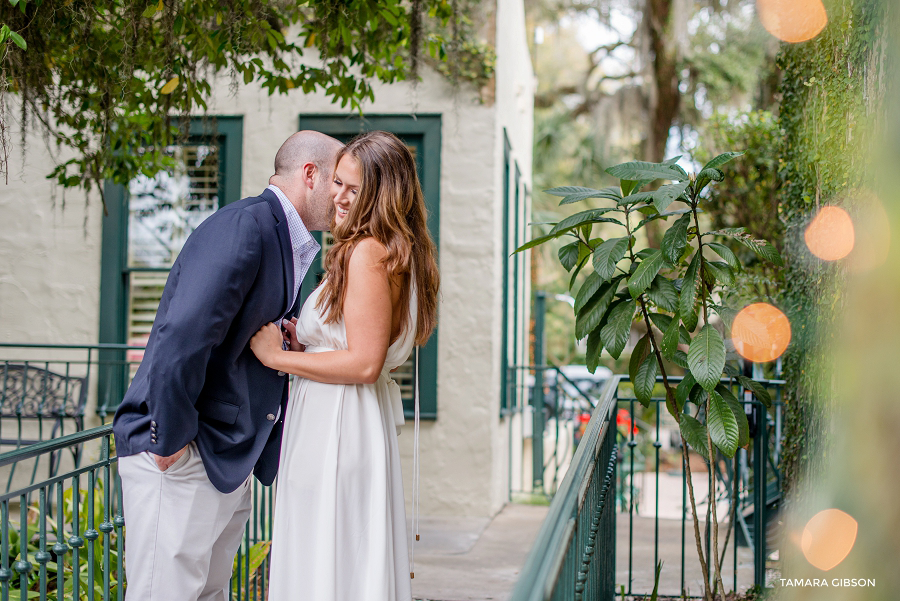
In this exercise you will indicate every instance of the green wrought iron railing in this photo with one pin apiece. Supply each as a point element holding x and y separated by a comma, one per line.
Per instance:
<point>747,490</point>
<point>573,557</point>
<point>62,537</point>
<point>647,446</point>
<point>45,392</point>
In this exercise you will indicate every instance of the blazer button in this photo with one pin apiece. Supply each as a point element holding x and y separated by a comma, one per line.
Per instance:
<point>152,424</point>
<point>271,417</point>
<point>281,373</point>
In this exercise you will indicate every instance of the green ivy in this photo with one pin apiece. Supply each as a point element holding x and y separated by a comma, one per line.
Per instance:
<point>823,117</point>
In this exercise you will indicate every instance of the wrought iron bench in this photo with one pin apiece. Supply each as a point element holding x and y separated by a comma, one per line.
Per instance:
<point>30,393</point>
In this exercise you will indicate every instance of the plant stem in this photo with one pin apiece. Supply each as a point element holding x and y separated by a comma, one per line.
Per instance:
<point>734,496</point>
<point>690,482</point>
<point>704,292</point>
<point>714,553</point>
<point>700,253</point>
<point>670,398</point>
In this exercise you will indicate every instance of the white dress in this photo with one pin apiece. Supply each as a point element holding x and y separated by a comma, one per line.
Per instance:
<point>340,519</point>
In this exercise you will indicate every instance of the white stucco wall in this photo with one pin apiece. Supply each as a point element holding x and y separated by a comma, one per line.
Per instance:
<point>50,257</point>
<point>515,117</point>
<point>49,252</point>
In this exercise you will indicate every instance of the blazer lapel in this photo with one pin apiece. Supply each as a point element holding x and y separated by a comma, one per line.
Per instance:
<point>287,251</point>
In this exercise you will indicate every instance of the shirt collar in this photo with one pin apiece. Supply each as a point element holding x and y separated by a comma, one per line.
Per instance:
<point>300,236</point>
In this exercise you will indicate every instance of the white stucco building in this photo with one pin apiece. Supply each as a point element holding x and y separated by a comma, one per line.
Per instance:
<point>71,275</point>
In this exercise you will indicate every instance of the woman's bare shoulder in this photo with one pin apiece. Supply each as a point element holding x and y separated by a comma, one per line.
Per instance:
<point>368,252</point>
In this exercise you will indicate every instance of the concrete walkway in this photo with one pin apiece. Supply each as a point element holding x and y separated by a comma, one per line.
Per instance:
<point>474,559</point>
<point>478,559</point>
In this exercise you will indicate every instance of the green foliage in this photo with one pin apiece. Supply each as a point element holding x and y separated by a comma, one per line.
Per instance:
<point>63,532</point>
<point>105,78</point>
<point>629,283</point>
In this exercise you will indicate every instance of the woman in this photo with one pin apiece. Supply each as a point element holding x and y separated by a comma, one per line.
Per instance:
<point>340,520</point>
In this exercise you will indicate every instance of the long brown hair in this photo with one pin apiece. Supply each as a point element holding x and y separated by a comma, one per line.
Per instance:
<point>389,207</point>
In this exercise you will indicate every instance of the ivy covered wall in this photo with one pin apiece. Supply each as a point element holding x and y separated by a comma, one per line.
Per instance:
<point>830,93</point>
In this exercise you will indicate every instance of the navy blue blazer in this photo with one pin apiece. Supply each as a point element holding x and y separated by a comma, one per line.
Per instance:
<point>199,380</point>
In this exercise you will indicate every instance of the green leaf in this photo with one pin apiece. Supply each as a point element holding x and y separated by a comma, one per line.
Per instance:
<point>589,216</point>
<point>738,410</point>
<point>538,241</point>
<point>570,190</point>
<point>723,428</point>
<point>17,40</point>
<point>666,195</point>
<point>763,249</point>
<point>683,391</point>
<point>661,197</point>
<point>680,359</point>
<point>706,357</point>
<point>758,389</point>
<point>663,294</point>
<point>590,286</point>
<point>719,271</point>
<point>582,261</point>
<point>152,9</point>
<point>694,434</point>
<point>594,348</point>
<point>711,174</point>
<point>642,170</point>
<point>618,326</point>
<point>722,159</point>
<point>608,255</point>
<point>726,253</point>
<point>568,255</point>
<point>4,33</point>
<point>629,186</point>
<point>670,340</point>
<point>611,193</point>
<point>661,321</point>
<point>689,290</point>
<point>593,311</point>
<point>645,380</point>
<point>675,239</point>
<point>640,352</point>
<point>645,272</point>
<point>692,319</point>
<point>698,396</point>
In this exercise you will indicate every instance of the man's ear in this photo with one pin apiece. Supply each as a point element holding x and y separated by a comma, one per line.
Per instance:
<point>309,174</point>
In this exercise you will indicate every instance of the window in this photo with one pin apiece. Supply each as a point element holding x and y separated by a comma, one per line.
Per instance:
<point>422,133</point>
<point>147,224</point>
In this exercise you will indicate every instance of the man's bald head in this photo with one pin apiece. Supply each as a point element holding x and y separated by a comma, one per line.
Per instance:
<point>306,147</point>
<point>304,166</point>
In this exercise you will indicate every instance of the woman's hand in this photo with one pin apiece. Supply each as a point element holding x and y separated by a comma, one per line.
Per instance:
<point>266,344</point>
<point>289,330</point>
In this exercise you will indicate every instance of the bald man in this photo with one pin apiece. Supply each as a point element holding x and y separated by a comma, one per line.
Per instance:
<point>203,413</point>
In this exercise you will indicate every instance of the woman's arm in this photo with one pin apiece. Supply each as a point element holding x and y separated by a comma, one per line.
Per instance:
<point>367,317</point>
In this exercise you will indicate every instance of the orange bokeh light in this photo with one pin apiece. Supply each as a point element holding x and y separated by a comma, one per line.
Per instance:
<point>760,332</point>
<point>828,538</point>
<point>792,20</point>
<point>830,235</point>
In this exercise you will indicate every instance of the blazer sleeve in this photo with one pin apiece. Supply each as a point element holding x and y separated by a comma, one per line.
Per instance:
<point>217,268</point>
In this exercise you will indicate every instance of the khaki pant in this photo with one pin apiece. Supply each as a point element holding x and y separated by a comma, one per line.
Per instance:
<point>181,534</point>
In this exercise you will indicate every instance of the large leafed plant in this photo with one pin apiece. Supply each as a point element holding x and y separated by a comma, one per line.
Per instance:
<point>674,289</point>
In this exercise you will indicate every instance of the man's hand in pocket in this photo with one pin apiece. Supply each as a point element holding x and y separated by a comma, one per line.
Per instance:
<point>164,463</point>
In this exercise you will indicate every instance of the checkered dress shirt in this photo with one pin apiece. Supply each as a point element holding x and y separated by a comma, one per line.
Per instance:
<point>303,244</point>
